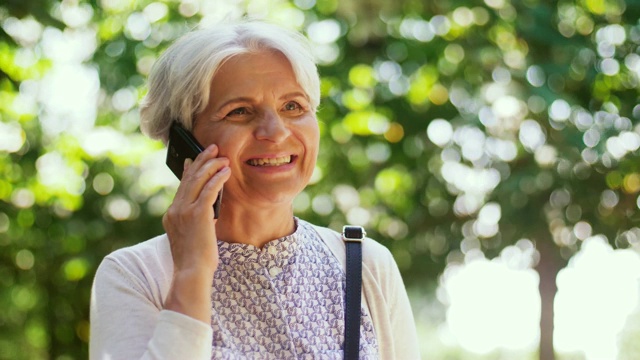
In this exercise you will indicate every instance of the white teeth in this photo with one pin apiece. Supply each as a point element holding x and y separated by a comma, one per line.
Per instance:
<point>270,161</point>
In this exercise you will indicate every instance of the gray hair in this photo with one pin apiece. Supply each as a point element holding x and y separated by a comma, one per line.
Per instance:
<point>179,83</point>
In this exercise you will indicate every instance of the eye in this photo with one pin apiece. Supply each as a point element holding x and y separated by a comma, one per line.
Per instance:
<point>238,112</point>
<point>292,106</point>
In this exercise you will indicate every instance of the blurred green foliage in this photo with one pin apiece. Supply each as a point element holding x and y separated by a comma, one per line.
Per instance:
<point>446,126</point>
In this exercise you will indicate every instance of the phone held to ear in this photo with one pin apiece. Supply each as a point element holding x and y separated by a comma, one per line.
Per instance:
<point>182,146</point>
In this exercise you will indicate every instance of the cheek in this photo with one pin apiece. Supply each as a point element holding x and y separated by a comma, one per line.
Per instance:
<point>226,138</point>
<point>311,133</point>
<point>207,134</point>
<point>312,142</point>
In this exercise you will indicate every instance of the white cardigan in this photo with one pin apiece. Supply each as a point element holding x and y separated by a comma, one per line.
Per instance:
<point>131,285</point>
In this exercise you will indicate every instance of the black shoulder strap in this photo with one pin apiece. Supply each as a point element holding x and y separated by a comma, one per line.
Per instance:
<point>353,236</point>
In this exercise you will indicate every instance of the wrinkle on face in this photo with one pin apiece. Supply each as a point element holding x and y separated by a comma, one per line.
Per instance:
<point>263,82</point>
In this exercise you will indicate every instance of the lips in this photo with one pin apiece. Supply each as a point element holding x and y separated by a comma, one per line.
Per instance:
<point>276,161</point>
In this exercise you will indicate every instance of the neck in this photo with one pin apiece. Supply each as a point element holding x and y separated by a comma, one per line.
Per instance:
<point>255,226</point>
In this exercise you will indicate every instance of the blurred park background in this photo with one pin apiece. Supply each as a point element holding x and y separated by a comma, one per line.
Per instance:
<point>492,146</point>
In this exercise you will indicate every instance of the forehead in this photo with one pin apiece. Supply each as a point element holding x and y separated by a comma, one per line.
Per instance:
<point>255,64</point>
<point>252,74</point>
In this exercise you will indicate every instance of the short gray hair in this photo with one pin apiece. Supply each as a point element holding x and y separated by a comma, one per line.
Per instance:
<point>179,83</point>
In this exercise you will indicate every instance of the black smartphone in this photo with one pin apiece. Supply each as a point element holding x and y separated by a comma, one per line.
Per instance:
<point>182,145</point>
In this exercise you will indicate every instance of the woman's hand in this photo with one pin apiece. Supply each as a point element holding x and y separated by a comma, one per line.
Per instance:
<point>190,226</point>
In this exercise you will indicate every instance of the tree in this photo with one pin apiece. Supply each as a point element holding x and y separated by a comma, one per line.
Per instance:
<point>537,104</point>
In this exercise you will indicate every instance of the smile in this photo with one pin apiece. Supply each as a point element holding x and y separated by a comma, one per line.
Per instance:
<point>271,161</point>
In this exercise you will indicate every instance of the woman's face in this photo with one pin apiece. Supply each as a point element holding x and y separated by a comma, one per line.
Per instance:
<point>261,120</point>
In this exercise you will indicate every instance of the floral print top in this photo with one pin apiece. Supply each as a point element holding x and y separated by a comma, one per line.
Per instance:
<point>283,301</point>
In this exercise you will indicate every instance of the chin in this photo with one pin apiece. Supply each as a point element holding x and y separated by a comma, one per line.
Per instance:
<point>277,197</point>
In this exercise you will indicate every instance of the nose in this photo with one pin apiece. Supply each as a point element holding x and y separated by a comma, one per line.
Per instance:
<point>272,127</point>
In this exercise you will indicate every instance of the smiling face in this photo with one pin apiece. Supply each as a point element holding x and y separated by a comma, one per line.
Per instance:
<point>261,120</point>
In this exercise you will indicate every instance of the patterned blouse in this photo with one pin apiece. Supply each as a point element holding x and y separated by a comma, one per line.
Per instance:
<point>284,301</point>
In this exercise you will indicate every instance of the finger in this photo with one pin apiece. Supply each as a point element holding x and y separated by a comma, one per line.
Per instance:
<point>198,172</point>
<point>194,184</point>
<point>188,168</point>
<point>187,163</point>
<point>212,187</point>
<point>191,165</point>
<point>210,151</point>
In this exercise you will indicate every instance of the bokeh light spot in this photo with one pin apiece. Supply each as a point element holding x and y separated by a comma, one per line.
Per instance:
<point>12,137</point>
<point>25,259</point>
<point>395,133</point>
<point>103,183</point>
<point>75,269</point>
<point>362,75</point>
<point>440,132</point>
<point>631,183</point>
<point>559,110</point>
<point>438,94</point>
<point>324,32</point>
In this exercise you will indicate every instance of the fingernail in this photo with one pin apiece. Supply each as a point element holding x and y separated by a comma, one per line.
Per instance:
<point>187,162</point>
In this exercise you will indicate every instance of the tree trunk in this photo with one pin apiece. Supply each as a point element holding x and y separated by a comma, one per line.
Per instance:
<point>548,268</point>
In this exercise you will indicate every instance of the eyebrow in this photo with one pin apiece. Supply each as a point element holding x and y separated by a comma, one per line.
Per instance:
<point>234,100</point>
<point>293,95</point>
<point>290,95</point>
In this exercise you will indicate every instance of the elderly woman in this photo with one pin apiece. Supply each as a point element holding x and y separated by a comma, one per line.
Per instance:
<point>255,282</point>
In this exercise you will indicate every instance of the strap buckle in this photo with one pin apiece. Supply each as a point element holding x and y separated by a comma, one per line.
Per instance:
<point>353,233</point>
